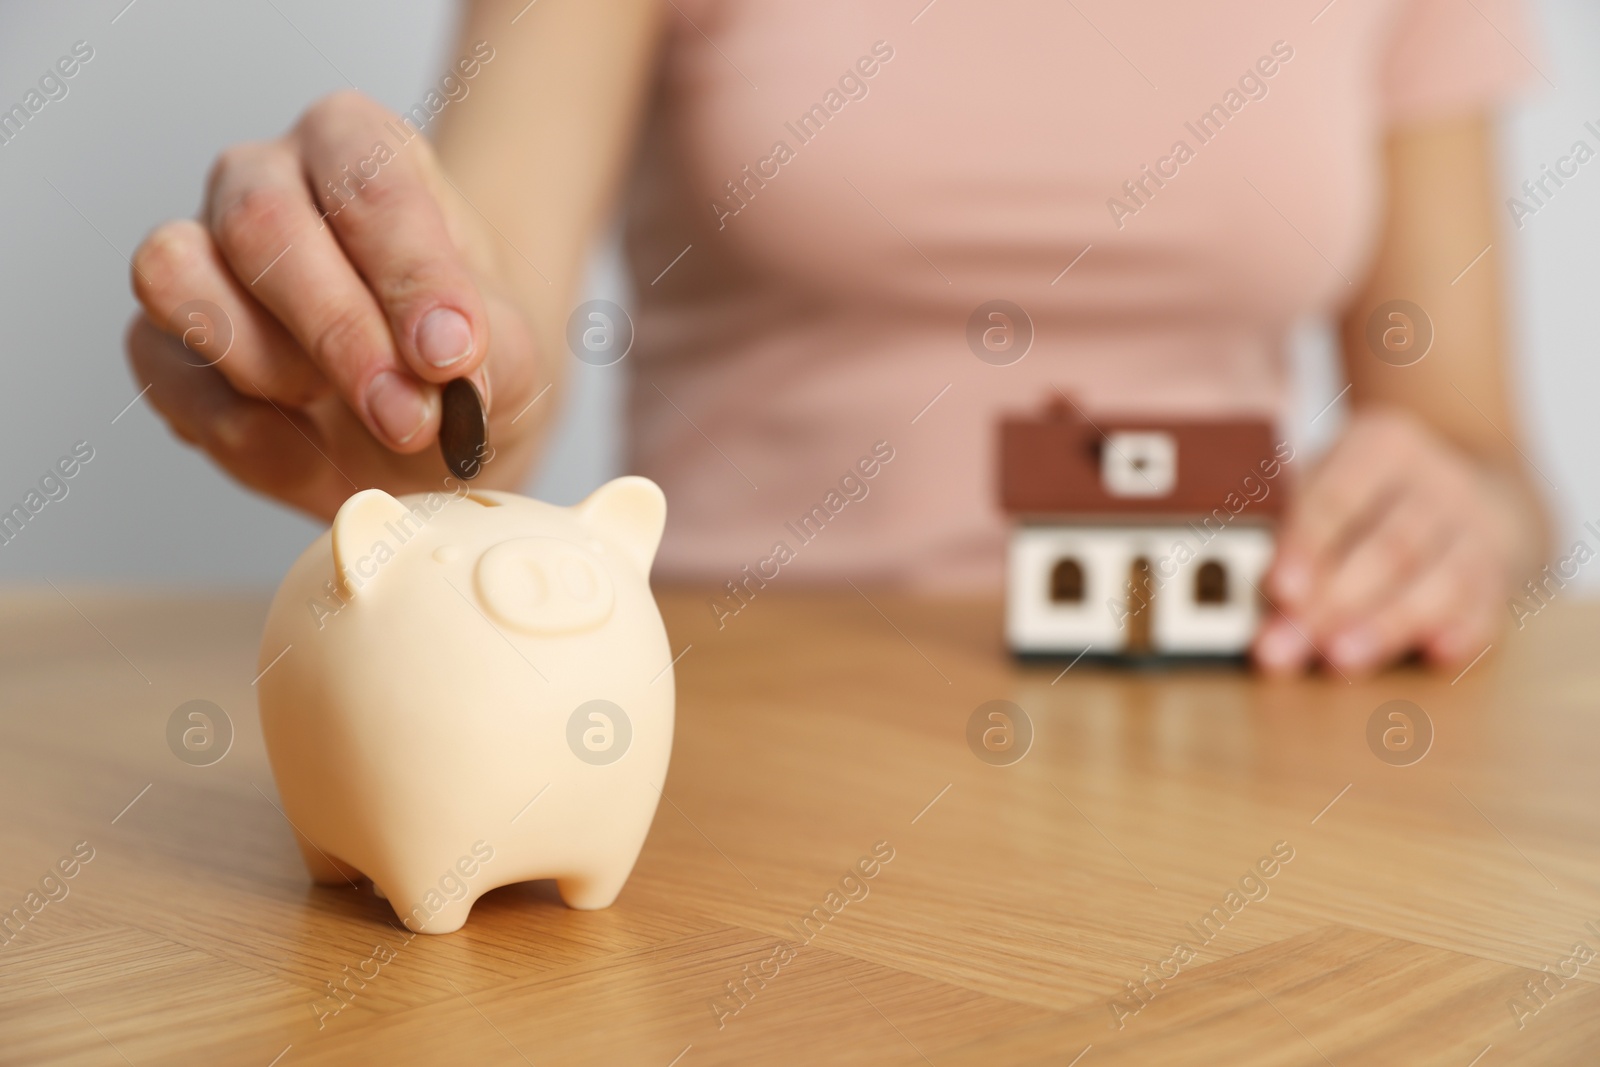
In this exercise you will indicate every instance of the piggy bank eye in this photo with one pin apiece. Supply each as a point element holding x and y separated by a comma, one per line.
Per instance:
<point>544,585</point>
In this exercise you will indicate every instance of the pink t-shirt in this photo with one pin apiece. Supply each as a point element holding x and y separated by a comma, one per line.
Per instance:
<point>1162,186</point>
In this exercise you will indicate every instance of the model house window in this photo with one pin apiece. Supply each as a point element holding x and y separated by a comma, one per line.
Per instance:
<point>1141,464</point>
<point>1066,582</point>
<point>1211,583</point>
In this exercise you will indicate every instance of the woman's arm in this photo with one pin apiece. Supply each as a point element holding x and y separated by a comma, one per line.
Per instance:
<point>1413,531</point>
<point>350,300</point>
<point>540,151</point>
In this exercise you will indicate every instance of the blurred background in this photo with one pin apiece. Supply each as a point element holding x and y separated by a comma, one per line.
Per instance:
<point>172,82</point>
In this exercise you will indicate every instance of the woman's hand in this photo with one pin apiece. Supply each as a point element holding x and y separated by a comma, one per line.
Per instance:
<point>354,281</point>
<point>1397,542</point>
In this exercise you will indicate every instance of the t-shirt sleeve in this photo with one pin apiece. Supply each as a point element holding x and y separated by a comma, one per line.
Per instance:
<point>1450,57</point>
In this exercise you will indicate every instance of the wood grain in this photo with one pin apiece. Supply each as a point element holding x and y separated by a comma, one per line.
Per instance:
<point>1019,903</point>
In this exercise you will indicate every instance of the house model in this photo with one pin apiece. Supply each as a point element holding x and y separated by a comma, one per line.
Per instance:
<point>1137,537</point>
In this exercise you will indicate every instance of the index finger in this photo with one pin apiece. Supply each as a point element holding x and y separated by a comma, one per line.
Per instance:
<point>1343,496</point>
<point>266,226</point>
<point>371,175</point>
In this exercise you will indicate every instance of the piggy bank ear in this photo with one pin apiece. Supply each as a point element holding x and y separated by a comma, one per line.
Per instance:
<point>359,527</point>
<point>631,512</point>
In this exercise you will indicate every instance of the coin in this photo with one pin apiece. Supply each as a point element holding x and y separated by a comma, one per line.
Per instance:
<point>463,429</point>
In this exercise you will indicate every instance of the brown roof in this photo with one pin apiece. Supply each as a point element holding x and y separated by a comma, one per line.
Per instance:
<point>1051,465</point>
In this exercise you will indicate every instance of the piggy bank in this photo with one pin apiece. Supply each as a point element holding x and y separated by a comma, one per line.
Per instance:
<point>467,690</point>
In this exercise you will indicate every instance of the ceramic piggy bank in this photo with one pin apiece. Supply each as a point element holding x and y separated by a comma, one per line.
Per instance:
<point>474,689</point>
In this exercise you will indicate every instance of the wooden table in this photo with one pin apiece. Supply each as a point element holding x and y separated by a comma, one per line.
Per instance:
<point>1019,902</point>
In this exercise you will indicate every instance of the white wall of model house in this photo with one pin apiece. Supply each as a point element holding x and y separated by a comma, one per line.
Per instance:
<point>1098,621</point>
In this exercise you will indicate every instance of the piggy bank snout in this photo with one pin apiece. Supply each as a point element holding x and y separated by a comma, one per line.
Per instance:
<point>544,585</point>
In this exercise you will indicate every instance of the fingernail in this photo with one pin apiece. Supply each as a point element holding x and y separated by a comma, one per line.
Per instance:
<point>397,406</point>
<point>1447,649</point>
<point>1293,580</point>
<point>1355,648</point>
<point>229,430</point>
<point>481,380</point>
<point>1281,648</point>
<point>444,337</point>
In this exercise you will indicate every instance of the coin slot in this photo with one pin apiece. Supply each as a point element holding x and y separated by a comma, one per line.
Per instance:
<point>479,498</point>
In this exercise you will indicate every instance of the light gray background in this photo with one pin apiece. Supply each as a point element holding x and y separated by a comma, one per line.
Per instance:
<point>173,81</point>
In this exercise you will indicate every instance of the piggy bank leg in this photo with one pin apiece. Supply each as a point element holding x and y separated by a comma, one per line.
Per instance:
<point>595,889</point>
<point>423,900</point>
<point>324,869</point>
<point>422,919</point>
